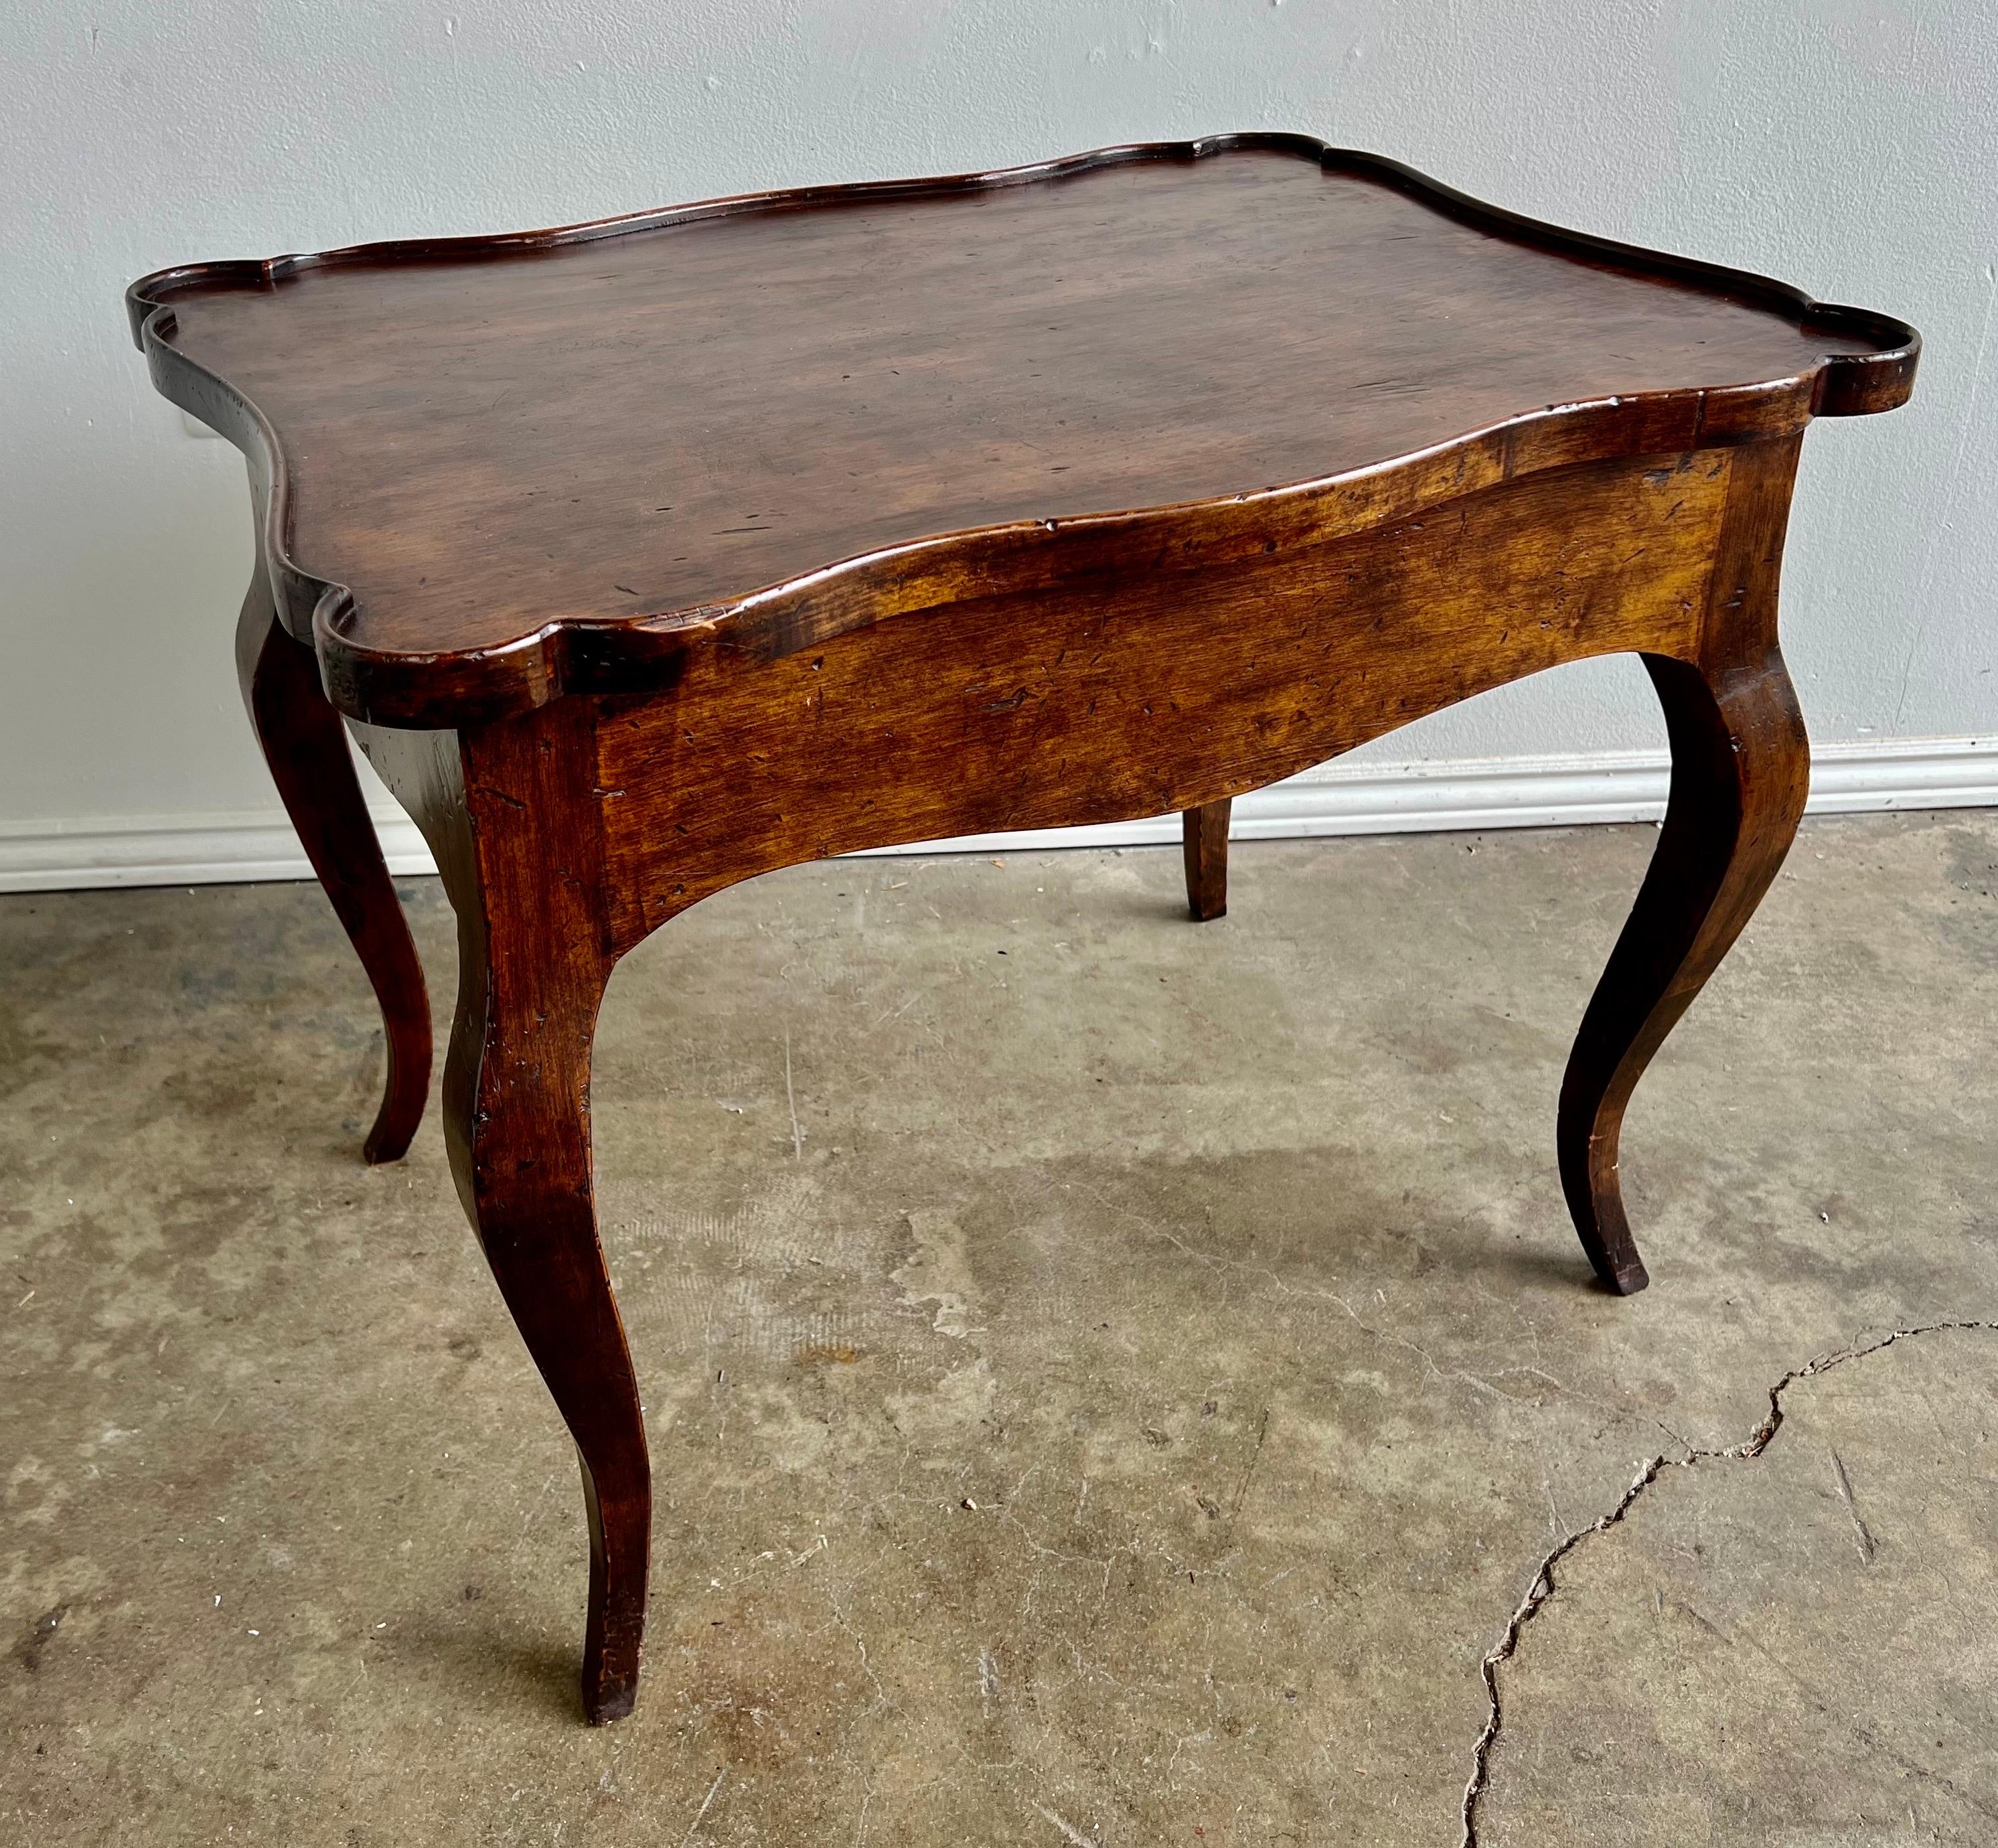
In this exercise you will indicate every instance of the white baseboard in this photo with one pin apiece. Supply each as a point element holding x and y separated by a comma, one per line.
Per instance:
<point>1551,792</point>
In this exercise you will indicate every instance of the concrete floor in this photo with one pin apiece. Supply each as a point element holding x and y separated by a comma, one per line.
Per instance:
<point>1112,1381</point>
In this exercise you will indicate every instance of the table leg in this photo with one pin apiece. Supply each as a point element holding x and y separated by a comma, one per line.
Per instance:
<point>1205,843</point>
<point>1741,774</point>
<point>305,743</point>
<point>1741,771</point>
<point>515,853</point>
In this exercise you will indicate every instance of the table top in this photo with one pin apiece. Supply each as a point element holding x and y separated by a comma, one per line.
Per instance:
<point>495,468</point>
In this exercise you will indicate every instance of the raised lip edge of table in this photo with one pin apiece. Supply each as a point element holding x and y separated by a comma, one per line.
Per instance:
<point>638,653</point>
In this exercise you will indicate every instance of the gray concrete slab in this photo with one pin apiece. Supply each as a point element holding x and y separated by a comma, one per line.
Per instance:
<point>1112,1380</point>
<point>1794,1643</point>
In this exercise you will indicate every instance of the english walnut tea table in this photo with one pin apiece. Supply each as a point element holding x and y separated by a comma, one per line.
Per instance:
<point>644,556</point>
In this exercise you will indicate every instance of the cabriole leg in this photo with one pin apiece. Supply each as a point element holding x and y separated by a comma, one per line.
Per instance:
<point>305,743</point>
<point>518,855</point>
<point>1740,773</point>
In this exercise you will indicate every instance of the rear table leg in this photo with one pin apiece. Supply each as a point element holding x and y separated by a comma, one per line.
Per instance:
<point>305,743</point>
<point>1206,847</point>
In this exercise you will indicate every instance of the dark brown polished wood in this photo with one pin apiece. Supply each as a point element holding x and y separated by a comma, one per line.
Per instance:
<point>646,556</point>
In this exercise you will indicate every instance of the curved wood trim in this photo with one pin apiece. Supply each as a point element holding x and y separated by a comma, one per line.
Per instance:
<point>636,652</point>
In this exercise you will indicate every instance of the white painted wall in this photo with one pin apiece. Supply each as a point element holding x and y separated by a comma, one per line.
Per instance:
<point>1850,148</point>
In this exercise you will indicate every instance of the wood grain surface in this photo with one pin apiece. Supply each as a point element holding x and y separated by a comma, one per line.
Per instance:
<point>500,468</point>
<point>1143,693</point>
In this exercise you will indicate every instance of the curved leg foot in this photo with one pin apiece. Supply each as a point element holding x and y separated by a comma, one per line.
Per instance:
<point>305,743</point>
<point>517,1120</point>
<point>1204,835</point>
<point>1741,771</point>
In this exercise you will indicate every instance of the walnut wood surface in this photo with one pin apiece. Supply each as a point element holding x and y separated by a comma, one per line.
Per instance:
<point>1141,693</point>
<point>499,467</point>
<point>1114,488</point>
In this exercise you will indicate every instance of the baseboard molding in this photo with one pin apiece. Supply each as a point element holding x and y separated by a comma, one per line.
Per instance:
<point>1559,792</point>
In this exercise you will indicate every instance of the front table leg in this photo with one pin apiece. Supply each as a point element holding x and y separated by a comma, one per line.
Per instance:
<point>515,838</point>
<point>516,1091</point>
<point>1740,772</point>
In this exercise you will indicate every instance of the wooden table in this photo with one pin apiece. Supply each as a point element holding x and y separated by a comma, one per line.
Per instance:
<point>646,555</point>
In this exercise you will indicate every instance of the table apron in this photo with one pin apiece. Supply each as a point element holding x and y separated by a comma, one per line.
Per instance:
<point>1143,693</point>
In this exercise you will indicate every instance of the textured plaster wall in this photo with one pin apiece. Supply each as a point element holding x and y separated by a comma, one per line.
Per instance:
<point>1851,149</point>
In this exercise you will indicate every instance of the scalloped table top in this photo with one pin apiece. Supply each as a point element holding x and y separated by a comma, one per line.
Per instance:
<point>498,467</point>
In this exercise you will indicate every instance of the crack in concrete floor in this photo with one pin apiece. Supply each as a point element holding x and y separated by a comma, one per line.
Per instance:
<point>1541,1588</point>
